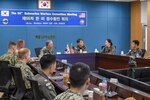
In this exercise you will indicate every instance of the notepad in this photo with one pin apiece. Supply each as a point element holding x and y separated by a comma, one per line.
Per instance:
<point>1,94</point>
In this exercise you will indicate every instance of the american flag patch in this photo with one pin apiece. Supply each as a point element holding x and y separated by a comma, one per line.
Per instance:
<point>82,15</point>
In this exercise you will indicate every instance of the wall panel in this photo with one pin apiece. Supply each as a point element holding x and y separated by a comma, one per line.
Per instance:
<point>136,26</point>
<point>148,25</point>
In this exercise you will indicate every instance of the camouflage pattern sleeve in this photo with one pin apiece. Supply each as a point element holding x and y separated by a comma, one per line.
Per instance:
<point>9,57</point>
<point>69,95</point>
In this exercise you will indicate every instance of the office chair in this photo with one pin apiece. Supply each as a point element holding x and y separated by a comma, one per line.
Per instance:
<point>93,79</point>
<point>102,47</point>
<point>33,69</point>
<point>19,82</point>
<point>5,79</point>
<point>35,89</point>
<point>143,52</point>
<point>37,51</point>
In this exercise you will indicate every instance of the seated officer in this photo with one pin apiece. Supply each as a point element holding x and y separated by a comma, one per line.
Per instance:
<point>48,49</point>
<point>108,48</point>
<point>79,82</point>
<point>80,46</point>
<point>48,66</point>
<point>20,44</point>
<point>135,51</point>
<point>23,58</point>
<point>10,56</point>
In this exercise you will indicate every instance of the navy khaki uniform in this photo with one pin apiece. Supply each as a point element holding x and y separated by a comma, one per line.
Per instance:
<point>69,95</point>
<point>46,87</point>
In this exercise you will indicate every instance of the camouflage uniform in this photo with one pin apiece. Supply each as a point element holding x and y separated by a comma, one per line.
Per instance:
<point>108,50</point>
<point>77,49</point>
<point>16,53</point>
<point>69,95</point>
<point>135,53</point>
<point>46,87</point>
<point>26,73</point>
<point>45,51</point>
<point>9,57</point>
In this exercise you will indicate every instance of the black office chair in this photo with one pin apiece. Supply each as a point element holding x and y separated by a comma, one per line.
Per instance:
<point>143,52</point>
<point>33,69</point>
<point>115,46</point>
<point>19,82</point>
<point>93,79</point>
<point>102,47</point>
<point>37,51</point>
<point>5,79</point>
<point>4,69</point>
<point>35,89</point>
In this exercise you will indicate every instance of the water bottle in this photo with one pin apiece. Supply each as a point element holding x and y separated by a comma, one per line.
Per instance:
<point>68,70</point>
<point>122,52</point>
<point>96,51</point>
<point>80,50</point>
<point>104,85</point>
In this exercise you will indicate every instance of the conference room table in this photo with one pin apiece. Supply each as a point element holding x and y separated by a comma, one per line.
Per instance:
<point>106,61</point>
<point>59,85</point>
<point>122,90</point>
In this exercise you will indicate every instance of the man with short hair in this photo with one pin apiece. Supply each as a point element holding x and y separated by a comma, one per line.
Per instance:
<point>48,66</point>
<point>48,49</point>
<point>108,48</point>
<point>23,58</point>
<point>80,46</point>
<point>79,78</point>
<point>20,44</point>
<point>10,56</point>
<point>135,51</point>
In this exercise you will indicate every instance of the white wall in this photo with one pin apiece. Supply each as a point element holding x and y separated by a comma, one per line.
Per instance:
<point>144,12</point>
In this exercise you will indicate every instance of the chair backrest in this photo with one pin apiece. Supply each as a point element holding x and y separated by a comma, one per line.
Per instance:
<point>37,51</point>
<point>35,89</point>
<point>5,73</point>
<point>115,46</point>
<point>93,79</point>
<point>19,82</point>
<point>102,47</point>
<point>33,69</point>
<point>123,93</point>
<point>143,52</point>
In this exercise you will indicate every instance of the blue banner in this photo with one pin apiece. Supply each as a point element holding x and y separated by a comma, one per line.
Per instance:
<point>42,18</point>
